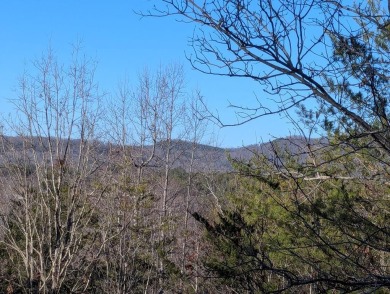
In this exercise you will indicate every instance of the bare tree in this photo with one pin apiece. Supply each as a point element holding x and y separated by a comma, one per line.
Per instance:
<point>147,122</point>
<point>47,177</point>
<point>332,53</point>
<point>135,130</point>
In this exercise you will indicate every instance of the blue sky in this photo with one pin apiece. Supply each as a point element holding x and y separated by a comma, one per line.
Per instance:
<point>124,44</point>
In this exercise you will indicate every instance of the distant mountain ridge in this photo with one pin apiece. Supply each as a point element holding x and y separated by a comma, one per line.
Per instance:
<point>206,157</point>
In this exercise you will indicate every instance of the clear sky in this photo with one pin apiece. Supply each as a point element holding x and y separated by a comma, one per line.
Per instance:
<point>124,44</point>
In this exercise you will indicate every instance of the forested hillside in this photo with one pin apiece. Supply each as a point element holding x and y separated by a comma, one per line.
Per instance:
<point>120,192</point>
<point>83,216</point>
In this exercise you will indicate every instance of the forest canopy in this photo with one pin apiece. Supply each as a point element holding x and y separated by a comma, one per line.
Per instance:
<point>124,198</point>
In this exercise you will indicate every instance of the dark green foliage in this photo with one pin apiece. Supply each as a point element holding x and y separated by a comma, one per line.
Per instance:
<point>329,235</point>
